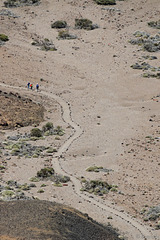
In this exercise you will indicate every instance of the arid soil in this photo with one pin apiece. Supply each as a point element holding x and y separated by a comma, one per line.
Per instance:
<point>109,111</point>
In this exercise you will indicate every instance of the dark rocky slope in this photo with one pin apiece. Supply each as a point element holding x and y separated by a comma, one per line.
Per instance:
<point>35,219</point>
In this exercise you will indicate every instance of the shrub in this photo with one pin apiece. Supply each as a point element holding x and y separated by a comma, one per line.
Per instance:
<point>45,172</point>
<point>105,2</point>
<point>45,44</point>
<point>64,34</point>
<point>59,131</point>
<point>34,179</point>
<point>4,37</point>
<point>59,24</point>
<point>47,126</point>
<point>7,193</point>
<point>154,24</point>
<point>83,23</point>
<point>40,191</point>
<point>94,169</point>
<point>51,150</point>
<point>36,132</point>
<point>96,186</point>
<point>17,3</point>
<point>2,167</point>
<point>9,3</point>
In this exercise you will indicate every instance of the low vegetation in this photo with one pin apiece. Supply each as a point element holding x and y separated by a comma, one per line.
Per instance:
<point>146,41</point>
<point>98,169</point>
<point>44,44</point>
<point>64,34</point>
<point>97,187</point>
<point>152,214</point>
<point>154,24</point>
<point>105,2</point>
<point>84,23</point>
<point>59,24</point>
<point>4,38</point>
<point>18,3</point>
<point>36,132</point>
<point>47,129</point>
<point>94,169</point>
<point>45,172</point>
<point>48,173</point>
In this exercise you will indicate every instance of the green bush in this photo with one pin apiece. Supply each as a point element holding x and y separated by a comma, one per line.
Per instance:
<point>94,169</point>
<point>2,167</point>
<point>34,179</point>
<point>105,2</point>
<point>4,37</point>
<point>45,44</point>
<point>154,24</point>
<point>17,3</point>
<point>51,150</point>
<point>64,34</point>
<point>47,126</point>
<point>59,24</point>
<point>45,172</point>
<point>83,23</point>
<point>36,132</point>
<point>59,131</point>
<point>40,191</point>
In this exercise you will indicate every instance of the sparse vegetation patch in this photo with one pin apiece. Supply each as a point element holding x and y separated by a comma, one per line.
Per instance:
<point>85,23</point>
<point>48,173</point>
<point>98,169</point>
<point>18,3</point>
<point>59,24</point>
<point>154,24</point>
<point>4,38</point>
<point>148,43</point>
<point>14,191</point>
<point>64,34</point>
<point>105,2</point>
<point>44,44</point>
<point>97,187</point>
<point>45,172</point>
<point>23,149</point>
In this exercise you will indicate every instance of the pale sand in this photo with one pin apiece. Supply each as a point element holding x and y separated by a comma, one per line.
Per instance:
<point>95,84</point>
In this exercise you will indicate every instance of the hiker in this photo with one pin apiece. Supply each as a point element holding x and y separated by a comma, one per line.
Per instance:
<point>28,84</point>
<point>31,86</point>
<point>37,87</point>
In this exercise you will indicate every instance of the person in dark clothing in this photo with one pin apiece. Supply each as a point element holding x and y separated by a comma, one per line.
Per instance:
<point>28,85</point>
<point>37,87</point>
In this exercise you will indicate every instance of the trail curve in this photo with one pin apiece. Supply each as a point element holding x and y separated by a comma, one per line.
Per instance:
<point>144,233</point>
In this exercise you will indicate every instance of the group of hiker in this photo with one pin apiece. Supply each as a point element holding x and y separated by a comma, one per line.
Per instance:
<point>30,86</point>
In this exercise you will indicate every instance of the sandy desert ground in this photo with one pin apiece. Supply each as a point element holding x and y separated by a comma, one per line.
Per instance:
<point>111,107</point>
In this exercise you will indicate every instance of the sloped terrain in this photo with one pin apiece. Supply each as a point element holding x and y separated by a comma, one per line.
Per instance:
<point>17,111</point>
<point>40,220</point>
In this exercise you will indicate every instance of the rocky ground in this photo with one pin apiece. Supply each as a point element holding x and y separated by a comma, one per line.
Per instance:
<point>45,220</point>
<point>17,111</point>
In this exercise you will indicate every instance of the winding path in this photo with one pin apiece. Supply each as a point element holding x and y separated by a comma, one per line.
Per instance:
<point>138,229</point>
